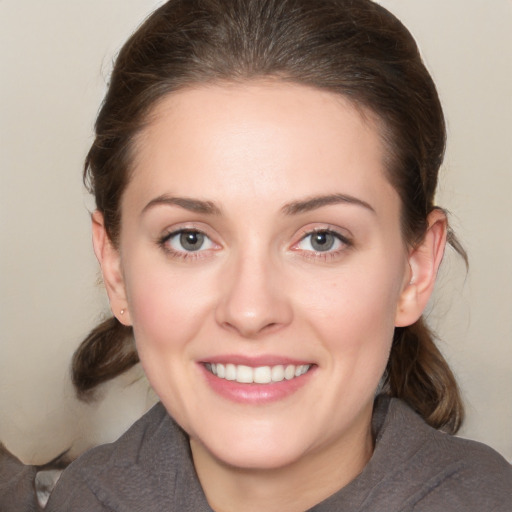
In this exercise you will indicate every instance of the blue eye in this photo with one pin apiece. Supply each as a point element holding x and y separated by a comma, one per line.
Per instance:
<point>188,240</point>
<point>321,241</point>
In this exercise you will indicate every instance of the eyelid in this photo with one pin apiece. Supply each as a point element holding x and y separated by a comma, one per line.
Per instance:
<point>172,231</point>
<point>179,227</point>
<point>341,235</point>
<point>177,235</point>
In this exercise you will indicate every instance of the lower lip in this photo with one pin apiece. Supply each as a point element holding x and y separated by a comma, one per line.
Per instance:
<point>255,393</point>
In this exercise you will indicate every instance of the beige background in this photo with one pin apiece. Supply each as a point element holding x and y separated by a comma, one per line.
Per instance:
<point>55,57</point>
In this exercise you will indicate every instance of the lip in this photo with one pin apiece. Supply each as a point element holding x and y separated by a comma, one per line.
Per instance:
<point>253,362</point>
<point>255,394</point>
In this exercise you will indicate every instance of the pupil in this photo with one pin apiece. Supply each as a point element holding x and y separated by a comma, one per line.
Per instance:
<point>191,240</point>
<point>322,241</point>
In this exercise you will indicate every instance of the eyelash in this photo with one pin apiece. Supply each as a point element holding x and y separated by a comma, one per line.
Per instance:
<point>163,242</point>
<point>327,255</point>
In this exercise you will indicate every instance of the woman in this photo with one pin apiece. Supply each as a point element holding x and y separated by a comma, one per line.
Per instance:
<point>264,174</point>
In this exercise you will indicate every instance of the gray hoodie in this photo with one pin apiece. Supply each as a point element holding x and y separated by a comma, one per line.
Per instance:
<point>413,468</point>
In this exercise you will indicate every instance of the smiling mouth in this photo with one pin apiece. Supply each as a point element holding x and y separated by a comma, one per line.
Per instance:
<point>258,375</point>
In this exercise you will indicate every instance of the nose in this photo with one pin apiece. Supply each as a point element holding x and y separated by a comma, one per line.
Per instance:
<point>253,301</point>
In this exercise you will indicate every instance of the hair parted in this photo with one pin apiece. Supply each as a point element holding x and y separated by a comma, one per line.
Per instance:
<point>355,48</point>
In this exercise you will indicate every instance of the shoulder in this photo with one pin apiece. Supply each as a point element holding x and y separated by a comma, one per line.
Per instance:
<point>108,476</point>
<point>16,484</point>
<point>468,475</point>
<point>446,472</point>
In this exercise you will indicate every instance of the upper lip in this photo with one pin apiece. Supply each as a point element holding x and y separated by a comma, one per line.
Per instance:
<point>255,361</point>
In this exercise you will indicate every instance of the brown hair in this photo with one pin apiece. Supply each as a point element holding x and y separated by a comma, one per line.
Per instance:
<point>355,48</point>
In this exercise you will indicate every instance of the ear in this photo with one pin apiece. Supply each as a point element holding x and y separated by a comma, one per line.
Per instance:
<point>424,260</point>
<point>110,262</point>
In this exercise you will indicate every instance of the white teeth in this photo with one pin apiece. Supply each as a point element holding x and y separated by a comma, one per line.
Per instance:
<point>289,372</point>
<point>221,371</point>
<point>277,373</point>
<point>230,371</point>
<point>301,370</point>
<point>262,375</point>
<point>244,374</point>
<point>259,375</point>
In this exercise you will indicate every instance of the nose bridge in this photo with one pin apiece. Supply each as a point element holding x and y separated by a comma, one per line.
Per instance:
<point>252,299</point>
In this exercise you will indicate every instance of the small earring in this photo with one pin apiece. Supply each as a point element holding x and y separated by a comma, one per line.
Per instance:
<point>122,311</point>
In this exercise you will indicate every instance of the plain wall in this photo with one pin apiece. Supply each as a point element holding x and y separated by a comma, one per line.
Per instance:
<point>55,57</point>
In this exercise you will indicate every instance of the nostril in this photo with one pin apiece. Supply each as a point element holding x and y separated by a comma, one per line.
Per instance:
<point>271,326</point>
<point>252,330</point>
<point>251,302</point>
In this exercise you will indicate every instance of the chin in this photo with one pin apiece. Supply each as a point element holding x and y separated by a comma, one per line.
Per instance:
<point>264,459</point>
<point>256,448</point>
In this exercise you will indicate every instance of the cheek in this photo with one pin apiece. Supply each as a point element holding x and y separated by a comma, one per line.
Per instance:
<point>168,310</point>
<point>166,307</point>
<point>353,312</point>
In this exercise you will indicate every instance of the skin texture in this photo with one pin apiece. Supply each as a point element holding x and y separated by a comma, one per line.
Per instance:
<point>257,291</point>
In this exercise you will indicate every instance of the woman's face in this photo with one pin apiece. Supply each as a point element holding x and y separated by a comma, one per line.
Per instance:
<point>264,269</point>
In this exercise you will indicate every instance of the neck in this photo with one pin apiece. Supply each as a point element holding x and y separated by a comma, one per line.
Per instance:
<point>295,487</point>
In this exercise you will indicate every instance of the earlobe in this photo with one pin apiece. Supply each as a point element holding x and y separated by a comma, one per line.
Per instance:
<point>110,262</point>
<point>424,260</point>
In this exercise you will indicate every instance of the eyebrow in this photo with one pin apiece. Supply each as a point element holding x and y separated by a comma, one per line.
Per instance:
<point>293,208</point>
<point>193,205</point>
<point>316,202</point>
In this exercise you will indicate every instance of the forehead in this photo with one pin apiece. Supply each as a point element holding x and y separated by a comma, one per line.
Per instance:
<point>264,139</point>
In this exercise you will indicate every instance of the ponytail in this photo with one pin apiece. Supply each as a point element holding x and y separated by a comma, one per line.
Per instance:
<point>108,351</point>
<point>418,374</point>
